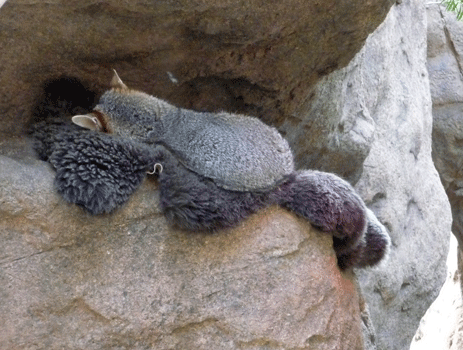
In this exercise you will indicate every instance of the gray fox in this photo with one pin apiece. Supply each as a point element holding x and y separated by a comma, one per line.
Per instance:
<point>214,169</point>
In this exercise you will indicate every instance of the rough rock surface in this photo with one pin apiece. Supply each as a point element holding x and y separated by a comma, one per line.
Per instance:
<point>381,104</point>
<point>445,59</point>
<point>247,56</point>
<point>127,281</point>
<point>400,180</point>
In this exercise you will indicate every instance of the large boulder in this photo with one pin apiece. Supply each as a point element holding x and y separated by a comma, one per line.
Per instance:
<point>445,59</point>
<point>380,105</point>
<point>69,280</point>
<point>240,56</point>
<point>400,180</point>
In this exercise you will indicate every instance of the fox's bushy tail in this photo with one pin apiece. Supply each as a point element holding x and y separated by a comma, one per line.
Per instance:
<point>331,204</point>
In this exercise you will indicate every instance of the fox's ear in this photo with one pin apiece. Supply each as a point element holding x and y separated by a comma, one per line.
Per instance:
<point>116,82</point>
<point>87,121</point>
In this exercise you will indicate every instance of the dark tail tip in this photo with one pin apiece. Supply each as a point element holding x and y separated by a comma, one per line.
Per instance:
<point>373,248</point>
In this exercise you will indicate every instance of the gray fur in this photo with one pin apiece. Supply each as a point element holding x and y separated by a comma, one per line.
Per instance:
<point>217,170</point>
<point>239,153</point>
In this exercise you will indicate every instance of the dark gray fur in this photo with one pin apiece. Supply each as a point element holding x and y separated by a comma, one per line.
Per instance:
<point>99,172</point>
<point>96,171</point>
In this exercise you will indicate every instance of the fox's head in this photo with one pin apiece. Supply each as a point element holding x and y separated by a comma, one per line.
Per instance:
<point>125,112</point>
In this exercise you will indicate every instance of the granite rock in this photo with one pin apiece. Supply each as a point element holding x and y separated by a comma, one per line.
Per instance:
<point>374,117</point>
<point>240,56</point>
<point>128,281</point>
<point>445,59</point>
